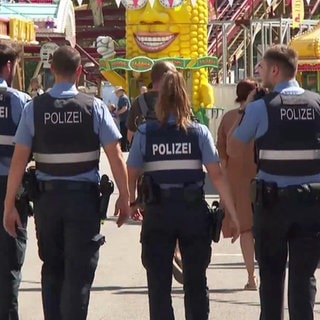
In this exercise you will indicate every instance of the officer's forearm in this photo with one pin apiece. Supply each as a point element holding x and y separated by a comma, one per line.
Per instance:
<point>17,168</point>
<point>133,175</point>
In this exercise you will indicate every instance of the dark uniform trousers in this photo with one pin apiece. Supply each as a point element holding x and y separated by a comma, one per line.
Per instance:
<point>12,253</point>
<point>287,228</point>
<point>163,224</point>
<point>66,224</point>
<point>124,143</point>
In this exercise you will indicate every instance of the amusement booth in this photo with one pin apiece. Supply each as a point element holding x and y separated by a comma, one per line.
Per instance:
<point>307,45</point>
<point>18,31</point>
<point>171,30</point>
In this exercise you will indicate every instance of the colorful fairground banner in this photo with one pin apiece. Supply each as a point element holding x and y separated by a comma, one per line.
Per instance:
<point>144,64</point>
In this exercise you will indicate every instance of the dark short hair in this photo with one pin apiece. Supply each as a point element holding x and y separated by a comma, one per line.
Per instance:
<point>7,53</point>
<point>285,57</point>
<point>244,87</point>
<point>159,69</point>
<point>66,60</point>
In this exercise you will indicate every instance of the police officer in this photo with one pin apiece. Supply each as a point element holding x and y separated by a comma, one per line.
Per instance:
<point>143,106</point>
<point>65,128</point>
<point>143,109</point>
<point>12,251</point>
<point>286,127</point>
<point>171,152</point>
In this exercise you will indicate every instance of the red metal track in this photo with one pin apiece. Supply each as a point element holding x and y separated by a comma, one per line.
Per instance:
<point>215,41</point>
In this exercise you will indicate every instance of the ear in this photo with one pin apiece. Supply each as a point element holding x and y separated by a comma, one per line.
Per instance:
<point>9,66</point>
<point>79,71</point>
<point>275,70</point>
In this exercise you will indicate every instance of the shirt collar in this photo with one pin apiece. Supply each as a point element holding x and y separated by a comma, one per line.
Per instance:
<point>63,89</point>
<point>285,84</point>
<point>3,83</point>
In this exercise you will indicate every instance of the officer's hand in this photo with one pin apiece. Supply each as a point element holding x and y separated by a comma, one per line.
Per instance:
<point>136,213</point>
<point>122,210</point>
<point>11,221</point>
<point>235,227</point>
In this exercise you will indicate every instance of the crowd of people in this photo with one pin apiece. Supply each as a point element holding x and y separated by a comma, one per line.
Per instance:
<point>265,167</point>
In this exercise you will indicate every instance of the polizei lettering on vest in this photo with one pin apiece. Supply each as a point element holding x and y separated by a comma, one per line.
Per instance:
<point>171,148</point>
<point>3,112</point>
<point>297,114</point>
<point>68,117</point>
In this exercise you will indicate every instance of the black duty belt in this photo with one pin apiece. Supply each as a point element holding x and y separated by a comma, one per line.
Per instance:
<point>186,194</point>
<point>307,191</point>
<point>66,185</point>
<point>269,193</point>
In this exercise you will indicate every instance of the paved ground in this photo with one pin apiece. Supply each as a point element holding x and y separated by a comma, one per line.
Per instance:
<point>120,293</point>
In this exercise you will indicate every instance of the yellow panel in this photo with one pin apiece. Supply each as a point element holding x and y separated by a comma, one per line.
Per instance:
<point>307,44</point>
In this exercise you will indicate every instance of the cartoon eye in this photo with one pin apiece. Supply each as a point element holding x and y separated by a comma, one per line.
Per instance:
<point>134,4</point>
<point>171,3</point>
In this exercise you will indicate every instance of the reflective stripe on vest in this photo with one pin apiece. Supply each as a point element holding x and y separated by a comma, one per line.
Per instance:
<point>67,157</point>
<point>289,154</point>
<point>172,165</point>
<point>6,140</point>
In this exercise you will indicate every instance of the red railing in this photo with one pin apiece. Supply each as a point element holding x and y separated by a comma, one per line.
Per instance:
<point>233,13</point>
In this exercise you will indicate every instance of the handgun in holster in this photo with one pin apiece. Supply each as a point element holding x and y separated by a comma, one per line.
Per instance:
<point>264,193</point>
<point>30,183</point>
<point>256,191</point>
<point>148,191</point>
<point>217,218</point>
<point>27,192</point>
<point>106,187</point>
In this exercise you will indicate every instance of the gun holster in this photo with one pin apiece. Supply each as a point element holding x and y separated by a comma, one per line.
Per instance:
<point>217,216</point>
<point>27,192</point>
<point>264,193</point>
<point>106,188</point>
<point>30,183</point>
<point>148,191</point>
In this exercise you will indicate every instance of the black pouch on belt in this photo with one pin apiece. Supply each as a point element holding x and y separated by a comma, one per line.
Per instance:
<point>270,194</point>
<point>217,218</point>
<point>256,191</point>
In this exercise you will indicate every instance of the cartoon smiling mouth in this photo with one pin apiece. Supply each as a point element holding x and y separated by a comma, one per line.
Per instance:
<point>154,41</point>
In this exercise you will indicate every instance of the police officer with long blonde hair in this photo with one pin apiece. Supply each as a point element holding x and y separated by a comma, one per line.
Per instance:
<point>170,153</point>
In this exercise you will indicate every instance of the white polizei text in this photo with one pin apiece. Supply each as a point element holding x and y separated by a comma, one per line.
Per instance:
<point>171,148</point>
<point>68,117</point>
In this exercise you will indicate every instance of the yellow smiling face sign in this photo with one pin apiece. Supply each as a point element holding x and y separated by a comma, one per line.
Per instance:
<point>169,28</point>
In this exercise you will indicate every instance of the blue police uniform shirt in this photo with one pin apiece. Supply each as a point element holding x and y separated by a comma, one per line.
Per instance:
<point>138,148</point>
<point>17,103</point>
<point>255,124</point>
<point>103,125</point>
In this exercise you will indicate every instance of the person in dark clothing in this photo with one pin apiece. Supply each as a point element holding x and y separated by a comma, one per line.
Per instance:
<point>122,112</point>
<point>143,106</point>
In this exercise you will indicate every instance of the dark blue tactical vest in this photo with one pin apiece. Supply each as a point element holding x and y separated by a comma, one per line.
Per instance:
<point>291,145</point>
<point>173,155</point>
<point>65,143</point>
<point>7,125</point>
